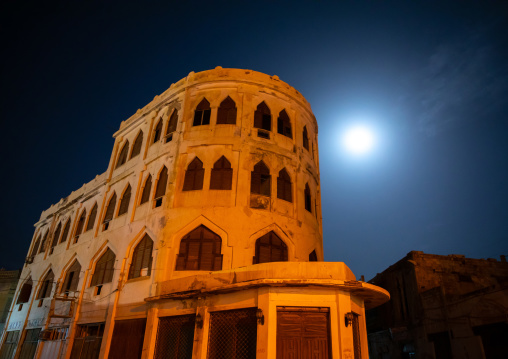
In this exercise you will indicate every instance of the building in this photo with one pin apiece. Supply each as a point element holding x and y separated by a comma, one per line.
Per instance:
<point>441,307</point>
<point>8,283</point>
<point>202,239</point>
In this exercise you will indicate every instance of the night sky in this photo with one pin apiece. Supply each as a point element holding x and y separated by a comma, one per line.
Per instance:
<point>430,78</point>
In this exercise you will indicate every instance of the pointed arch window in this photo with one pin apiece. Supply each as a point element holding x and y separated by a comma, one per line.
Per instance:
<point>284,124</point>
<point>160,188</point>
<point>145,196</point>
<point>91,218</point>
<point>136,147</point>
<point>47,285</point>
<point>56,235</point>
<point>222,175</point>
<point>44,242</point>
<point>110,211</point>
<point>270,248</point>
<point>263,120</point>
<point>308,198</point>
<point>35,248</point>
<point>172,123</point>
<point>157,132</point>
<point>104,269</point>
<point>79,227</point>
<point>141,264</point>
<point>260,181</point>
<point>313,256</point>
<point>284,190</point>
<point>66,231</point>
<point>122,158</point>
<point>124,202</point>
<point>25,292</point>
<point>305,138</point>
<point>202,113</point>
<point>200,250</point>
<point>71,280</point>
<point>226,114</point>
<point>194,176</point>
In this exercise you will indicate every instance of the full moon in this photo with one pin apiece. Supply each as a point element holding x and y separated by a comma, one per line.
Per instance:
<point>358,140</point>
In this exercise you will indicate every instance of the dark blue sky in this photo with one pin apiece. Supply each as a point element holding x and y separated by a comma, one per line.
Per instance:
<point>430,76</point>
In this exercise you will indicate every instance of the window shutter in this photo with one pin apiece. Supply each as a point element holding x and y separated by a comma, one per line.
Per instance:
<point>81,222</point>
<point>122,158</point>
<point>226,113</point>
<point>124,203</point>
<point>111,209</point>
<point>35,248</point>
<point>206,116</point>
<point>56,235</point>
<point>136,148</point>
<point>145,196</point>
<point>284,124</point>
<point>157,131</point>
<point>200,250</point>
<point>262,117</point>
<point>173,121</point>
<point>161,183</point>
<point>221,176</point>
<point>104,269</point>
<point>91,218</point>
<point>66,231</point>
<point>202,113</point>
<point>270,248</point>
<point>194,176</point>
<point>284,186</point>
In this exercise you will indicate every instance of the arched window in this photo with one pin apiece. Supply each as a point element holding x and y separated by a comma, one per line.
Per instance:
<point>145,196</point>
<point>284,186</point>
<point>263,120</point>
<point>110,211</point>
<point>122,158</point>
<point>305,138</point>
<point>138,142</point>
<point>91,218</point>
<point>308,199</point>
<point>226,114</point>
<point>160,188</point>
<point>202,113</point>
<point>200,250</point>
<point>104,269</point>
<point>47,285</point>
<point>260,180</point>
<point>44,242</point>
<point>173,121</point>
<point>157,131</point>
<point>313,256</point>
<point>284,124</point>
<point>79,227</point>
<point>142,258</point>
<point>56,235</point>
<point>35,248</point>
<point>66,231</point>
<point>124,202</point>
<point>71,280</point>
<point>194,176</point>
<point>25,292</point>
<point>270,248</point>
<point>222,174</point>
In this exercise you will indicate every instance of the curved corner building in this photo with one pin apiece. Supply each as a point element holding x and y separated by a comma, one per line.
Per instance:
<point>203,239</point>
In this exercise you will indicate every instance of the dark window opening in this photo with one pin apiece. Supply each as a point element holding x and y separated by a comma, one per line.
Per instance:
<point>145,196</point>
<point>91,218</point>
<point>222,175</point>
<point>173,121</point>
<point>25,292</point>
<point>43,243</point>
<point>263,117</point>
<point>284,124</point>
<point>66,231</point>
<point>264,134</point>
<point>157,132</point>
<point>36,246</point>
<point>260,181</point>
<point>194,176</point>
<point>47,286</point>
<point>160,188</point>
<point>270,248</point>
<point>71,280</point>
<point>136,148</point>
<point>308,199</point>
<point>202,113</point>
<point>200,250</point>
<point>305,139</point>
<point>226,114</point>
<point>141,264</point>
<point>110,211</point>
<point>313,256</point>
<point>124,202</point>
<point>284,188</point>
<point>104,269</point>
<point>56,235</point>
<point>122,158</point>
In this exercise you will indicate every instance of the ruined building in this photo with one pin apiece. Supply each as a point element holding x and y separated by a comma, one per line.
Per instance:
<point>441,307</point>
<point>202,239</point>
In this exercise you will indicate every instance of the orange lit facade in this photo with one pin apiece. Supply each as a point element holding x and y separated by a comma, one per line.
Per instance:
<point>203,239</point>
